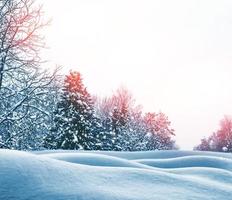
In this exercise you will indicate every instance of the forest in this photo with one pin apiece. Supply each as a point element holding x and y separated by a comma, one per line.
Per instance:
<point>44,109</point>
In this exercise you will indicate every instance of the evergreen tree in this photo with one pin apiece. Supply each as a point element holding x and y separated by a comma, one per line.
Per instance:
<point>120,117</point>
<point>133,138</point>
<point>103,108</point>
<point>76,126</point>
<point>119,128</point>
<point>106,135</point>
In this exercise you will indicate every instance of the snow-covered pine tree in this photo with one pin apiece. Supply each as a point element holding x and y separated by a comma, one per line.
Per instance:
<point>134,137</point>
<point>76,126</point>
<point>119,128</point>
<point>103,108</point>
<point>106,135</point>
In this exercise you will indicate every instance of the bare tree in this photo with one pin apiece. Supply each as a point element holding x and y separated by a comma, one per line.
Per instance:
<point>221,140</point>
<point>26,91</point>
<point>20,39</point>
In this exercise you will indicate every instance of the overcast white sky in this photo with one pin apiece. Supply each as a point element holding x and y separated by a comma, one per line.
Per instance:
<point>175,56</point>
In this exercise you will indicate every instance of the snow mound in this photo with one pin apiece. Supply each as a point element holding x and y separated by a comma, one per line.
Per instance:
<point>95,160</point>
<point>44,176</point>
<point>189,161</point>
<point>219,176</point>
<point>143,154</point>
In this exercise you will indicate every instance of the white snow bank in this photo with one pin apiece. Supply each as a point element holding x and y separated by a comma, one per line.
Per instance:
<point>144,154</point>
<point>95,160</point>
<point>189,161</point>
<point>219,176</point>
<point>26,176</point>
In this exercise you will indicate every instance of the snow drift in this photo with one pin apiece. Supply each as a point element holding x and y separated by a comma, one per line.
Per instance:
<point>69,175</point>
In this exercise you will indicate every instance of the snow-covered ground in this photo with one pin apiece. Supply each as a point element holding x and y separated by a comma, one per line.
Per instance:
<point>76,175</point>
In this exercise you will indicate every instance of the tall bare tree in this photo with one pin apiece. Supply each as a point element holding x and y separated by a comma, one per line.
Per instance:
<point>20,38</point>
<point>24,86</point>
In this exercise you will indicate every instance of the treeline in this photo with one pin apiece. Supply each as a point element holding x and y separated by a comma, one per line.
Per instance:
<point>39,110</point>
<point>221,140</point>
<point>114,123</point>
<point>61,114</point>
